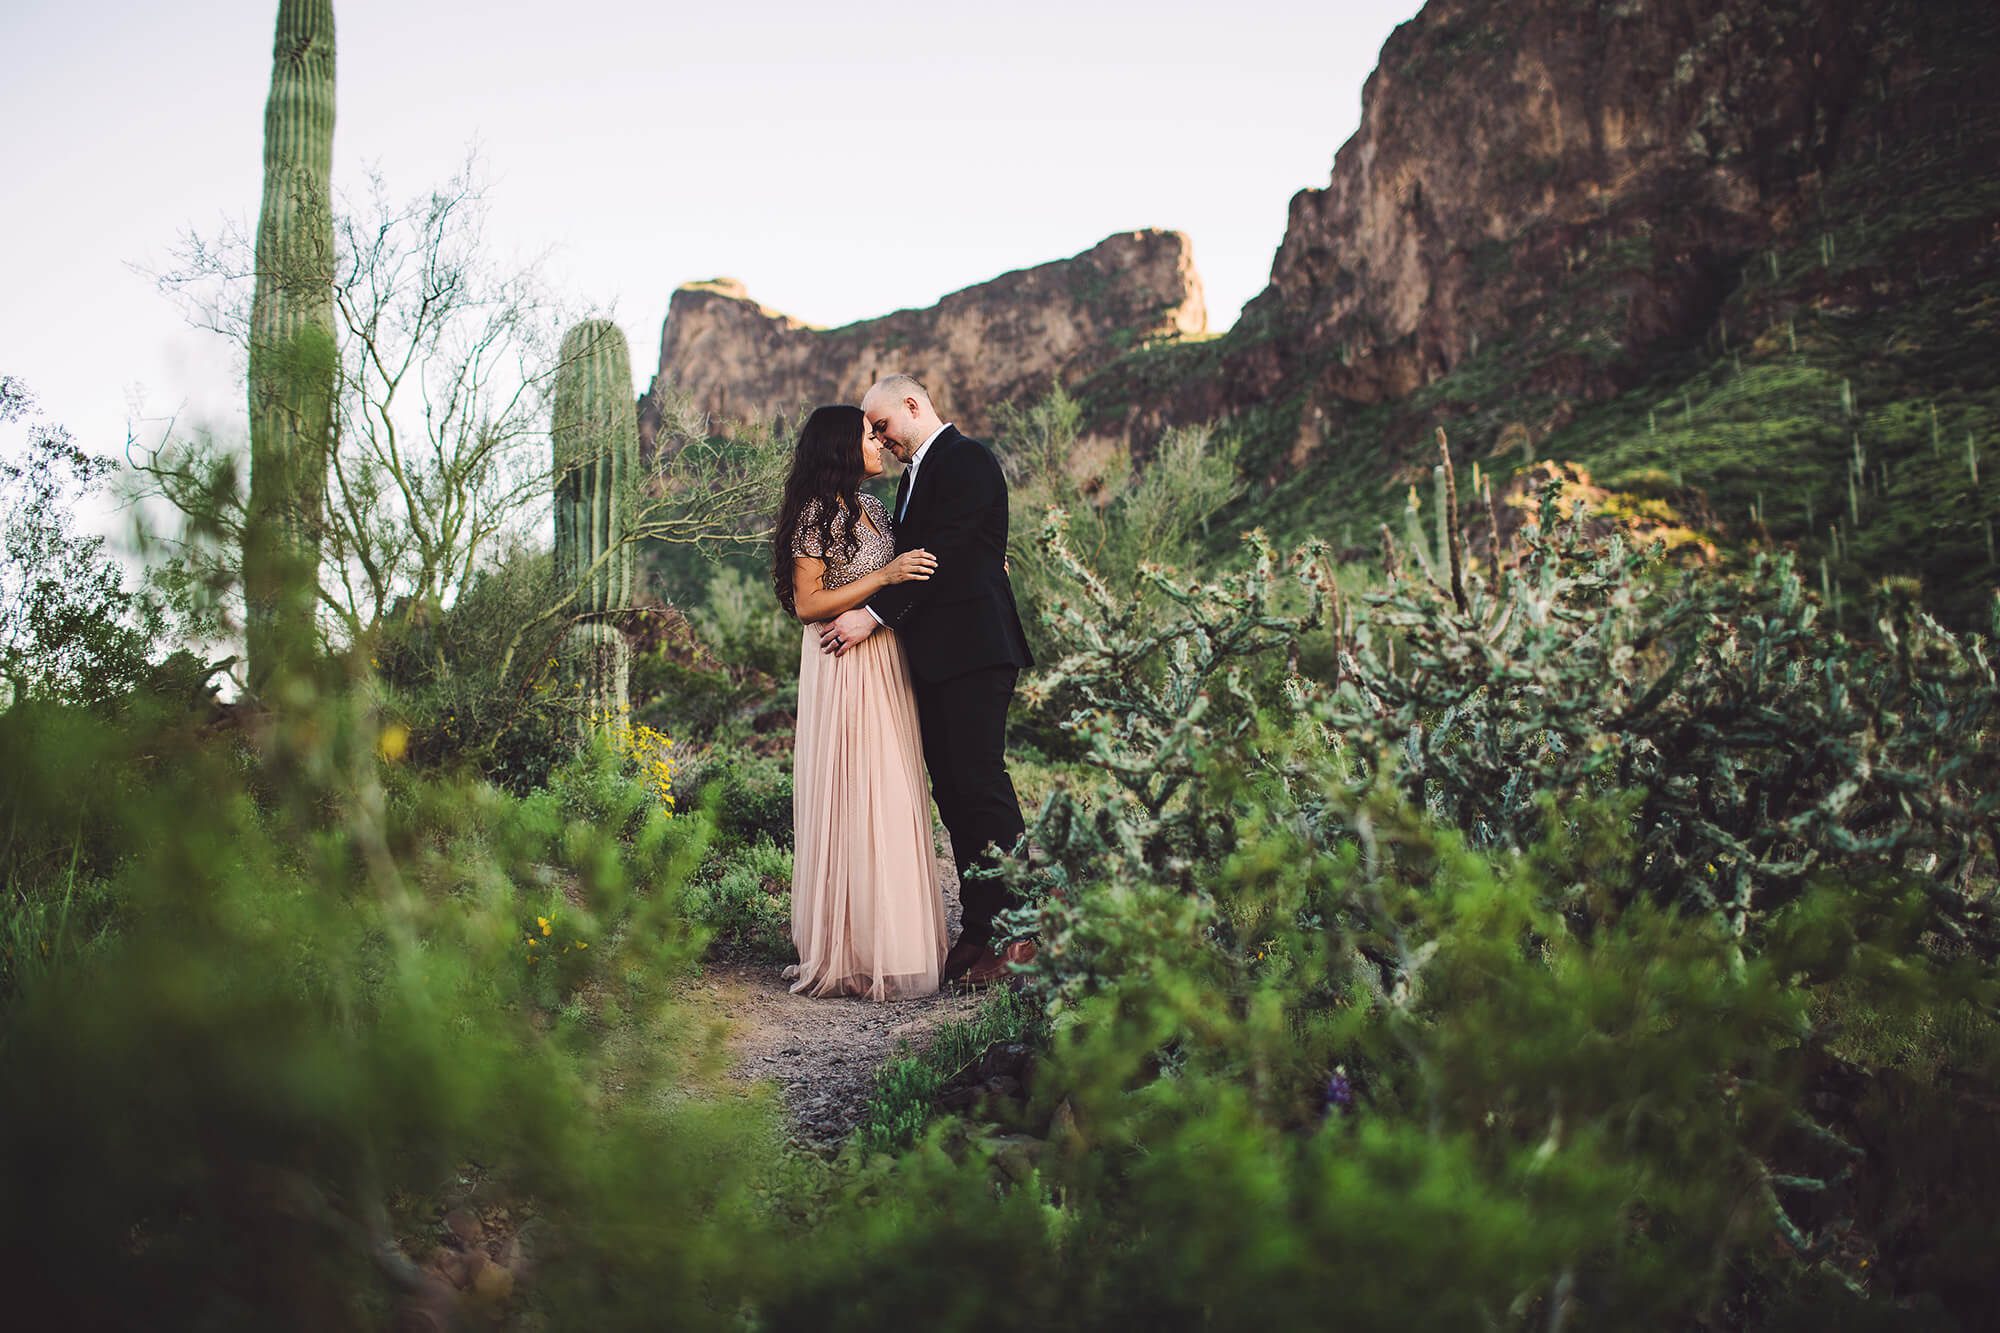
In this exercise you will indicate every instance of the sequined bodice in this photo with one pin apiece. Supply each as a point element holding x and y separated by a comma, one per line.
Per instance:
<point>874,547</point>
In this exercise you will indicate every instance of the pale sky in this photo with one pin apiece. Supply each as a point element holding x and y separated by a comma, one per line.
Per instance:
<point>652,145</point>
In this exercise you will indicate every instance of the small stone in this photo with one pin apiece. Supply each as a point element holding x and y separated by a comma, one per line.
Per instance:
<point>1009,1058</point>
<point>463,1227</point>
<point>1016,1154</point>
<point>494,1286</point>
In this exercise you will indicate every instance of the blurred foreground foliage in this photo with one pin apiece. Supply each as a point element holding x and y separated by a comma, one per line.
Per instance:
<point>260,988</point>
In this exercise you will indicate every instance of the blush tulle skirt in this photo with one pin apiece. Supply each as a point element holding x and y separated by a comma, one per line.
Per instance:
<point>867,912</point>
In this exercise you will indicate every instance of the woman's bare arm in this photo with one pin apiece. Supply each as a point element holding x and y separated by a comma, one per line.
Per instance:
<point>814,602</point>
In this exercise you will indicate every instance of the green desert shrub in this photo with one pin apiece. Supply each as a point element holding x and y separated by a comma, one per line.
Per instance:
<point>481,685</point>
<point>1399,1076</point>
<point>74,627</point>
<point>315,1010</point>
<point>71,775</point>
<point>700,674</point>
<point>747,900</point>
<point>739,619</point>
<point>1121,518</point>
<point>695,699</point>
<point>749,795</point>
<point>906,1088</point>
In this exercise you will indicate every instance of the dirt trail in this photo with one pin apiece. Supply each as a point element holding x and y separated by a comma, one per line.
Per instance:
<point>823,1054</point>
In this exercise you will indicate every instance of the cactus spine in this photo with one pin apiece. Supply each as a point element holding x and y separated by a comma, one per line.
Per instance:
<point>595,438</point>
<point>294,359</point>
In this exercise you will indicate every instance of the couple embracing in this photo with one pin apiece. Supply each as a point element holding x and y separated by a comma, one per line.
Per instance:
<point>911,649</point>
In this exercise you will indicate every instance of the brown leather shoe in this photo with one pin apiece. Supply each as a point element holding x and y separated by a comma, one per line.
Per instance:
<point>999,966</point>
<point>963,955</point>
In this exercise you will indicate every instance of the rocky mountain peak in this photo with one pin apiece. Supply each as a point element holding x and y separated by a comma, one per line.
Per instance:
<point>1007,339</point>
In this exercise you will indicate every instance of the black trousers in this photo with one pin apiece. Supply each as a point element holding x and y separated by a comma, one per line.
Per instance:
<point>964,725</point>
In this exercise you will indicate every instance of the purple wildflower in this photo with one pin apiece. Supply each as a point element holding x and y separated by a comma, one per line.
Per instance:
<point>1339,1092</point>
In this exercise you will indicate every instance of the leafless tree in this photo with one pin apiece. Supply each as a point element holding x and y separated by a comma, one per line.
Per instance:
<point>449,357</point>
<point>447,360</point>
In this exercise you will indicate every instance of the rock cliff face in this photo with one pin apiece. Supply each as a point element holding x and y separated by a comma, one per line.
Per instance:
<point>1010,338</point>
<point>1579,180</point>
<point>1504,145</point>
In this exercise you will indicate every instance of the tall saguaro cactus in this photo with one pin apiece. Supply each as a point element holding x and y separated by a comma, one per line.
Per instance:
<point>595,437</point>
<point>294,359</point>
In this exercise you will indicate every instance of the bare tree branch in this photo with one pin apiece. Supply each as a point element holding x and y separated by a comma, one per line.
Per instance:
<point>448,364</point>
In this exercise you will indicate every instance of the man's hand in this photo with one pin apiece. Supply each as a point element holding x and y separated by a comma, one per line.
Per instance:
<point>845,630</point>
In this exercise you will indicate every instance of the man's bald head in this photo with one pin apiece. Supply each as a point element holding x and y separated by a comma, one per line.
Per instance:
<point>900,414</point>
<point>899,386</point>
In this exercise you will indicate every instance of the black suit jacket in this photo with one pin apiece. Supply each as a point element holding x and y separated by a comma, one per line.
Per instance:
<point>963,617</point>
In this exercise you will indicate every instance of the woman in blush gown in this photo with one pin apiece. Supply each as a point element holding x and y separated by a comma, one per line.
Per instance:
<point>867,911</point>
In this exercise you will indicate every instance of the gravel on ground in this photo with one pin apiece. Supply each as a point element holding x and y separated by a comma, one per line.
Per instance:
<point>823,1054</point>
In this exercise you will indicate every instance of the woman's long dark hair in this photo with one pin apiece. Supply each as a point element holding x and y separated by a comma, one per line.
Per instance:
<point>826,466</point>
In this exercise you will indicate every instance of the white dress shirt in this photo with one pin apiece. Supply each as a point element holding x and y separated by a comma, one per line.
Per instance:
<point>916,460</point>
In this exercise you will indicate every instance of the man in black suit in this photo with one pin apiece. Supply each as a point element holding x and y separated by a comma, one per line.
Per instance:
<point>962,635</point>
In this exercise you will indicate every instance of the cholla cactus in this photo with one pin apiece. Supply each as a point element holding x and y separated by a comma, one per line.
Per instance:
<point>595,438</point>
<point>1148,676</point>
<point>1763,746</point>
<point>294,359</point>
<point>1601,744</point>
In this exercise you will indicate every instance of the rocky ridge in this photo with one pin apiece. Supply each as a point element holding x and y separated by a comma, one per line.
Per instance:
<point>1580,182</point>
<point>1007,339</point>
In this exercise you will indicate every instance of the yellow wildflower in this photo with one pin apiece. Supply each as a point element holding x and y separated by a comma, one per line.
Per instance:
<point>543,922</point>
<point>393,742</point>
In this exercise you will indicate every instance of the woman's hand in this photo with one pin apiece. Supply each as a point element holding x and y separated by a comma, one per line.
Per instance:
<point>910,567</point>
